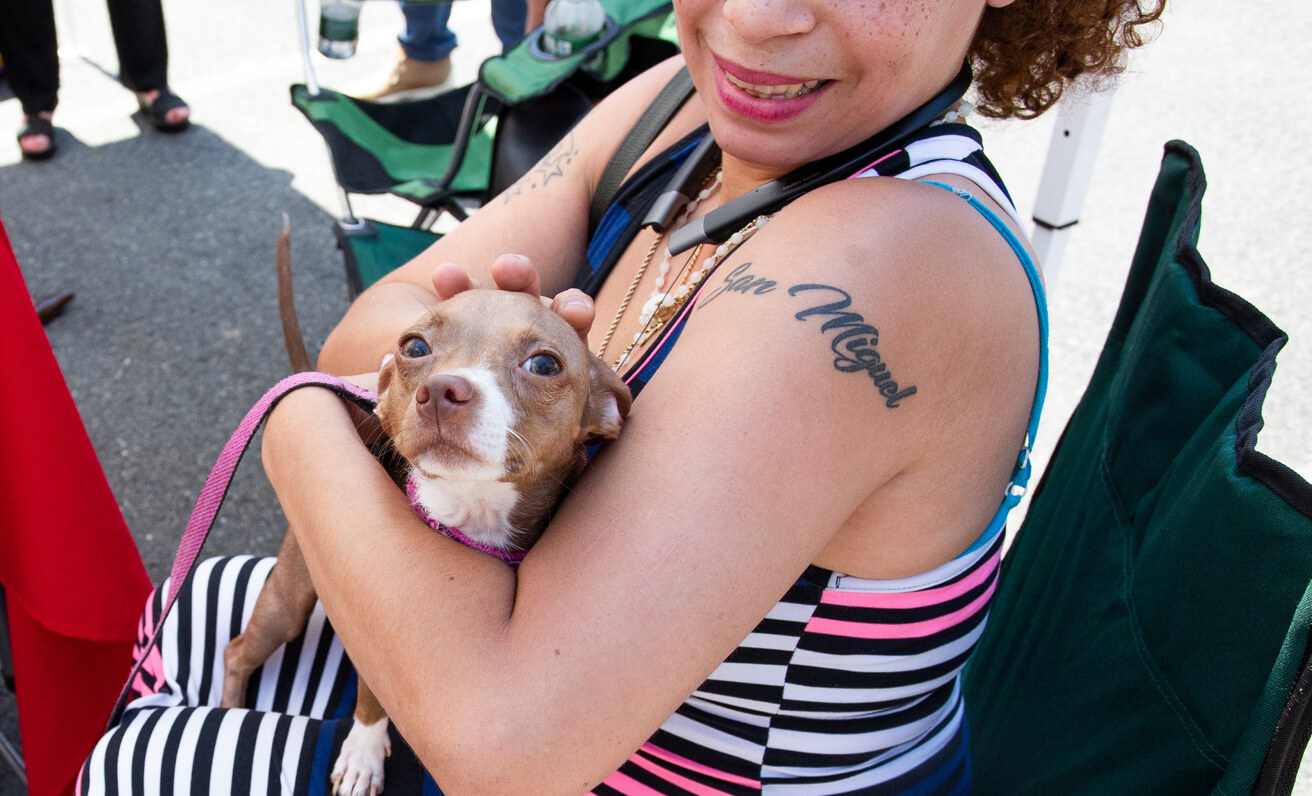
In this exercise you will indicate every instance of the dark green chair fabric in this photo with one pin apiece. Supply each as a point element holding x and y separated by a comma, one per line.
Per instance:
<point>1152,616</point>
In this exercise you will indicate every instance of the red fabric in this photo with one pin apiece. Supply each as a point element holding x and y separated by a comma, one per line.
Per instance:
<point>72,575</point>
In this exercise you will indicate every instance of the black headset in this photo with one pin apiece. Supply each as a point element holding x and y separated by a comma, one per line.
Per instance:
<point>717,225</point>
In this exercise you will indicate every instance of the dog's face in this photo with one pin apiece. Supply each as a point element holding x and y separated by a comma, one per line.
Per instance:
<point>493,387</point>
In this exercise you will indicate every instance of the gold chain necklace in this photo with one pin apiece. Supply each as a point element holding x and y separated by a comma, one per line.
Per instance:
<point>628,296</point>
<point>671,303</point>
<point>708,187</point>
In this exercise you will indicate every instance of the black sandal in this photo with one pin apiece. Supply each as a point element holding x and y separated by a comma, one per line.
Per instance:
<point>37,125</point>
<point>157,112</point>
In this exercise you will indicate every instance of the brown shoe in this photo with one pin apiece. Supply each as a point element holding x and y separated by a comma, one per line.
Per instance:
<point>409,77</point>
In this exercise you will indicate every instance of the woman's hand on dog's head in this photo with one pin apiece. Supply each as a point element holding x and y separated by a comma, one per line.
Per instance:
<point>517,273</point>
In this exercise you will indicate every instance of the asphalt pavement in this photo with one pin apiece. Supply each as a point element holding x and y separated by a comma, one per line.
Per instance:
<point>168,240</point>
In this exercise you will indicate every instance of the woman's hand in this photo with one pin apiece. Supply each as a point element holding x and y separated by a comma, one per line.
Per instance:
<point>515,272</point>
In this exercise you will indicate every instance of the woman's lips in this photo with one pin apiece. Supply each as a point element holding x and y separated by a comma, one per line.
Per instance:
<point>764,96</point>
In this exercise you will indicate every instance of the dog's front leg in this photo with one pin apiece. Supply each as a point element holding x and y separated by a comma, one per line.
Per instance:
<point>359,767</point>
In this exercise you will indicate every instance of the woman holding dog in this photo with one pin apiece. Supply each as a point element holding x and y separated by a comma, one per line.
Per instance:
<point>772,579</point>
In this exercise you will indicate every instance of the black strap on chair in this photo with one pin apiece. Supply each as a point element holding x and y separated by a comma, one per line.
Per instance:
<point>1284,755</point>
<point>648,126</point>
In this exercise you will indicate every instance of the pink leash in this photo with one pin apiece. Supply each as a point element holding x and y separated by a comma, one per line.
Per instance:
<point>216,489</point>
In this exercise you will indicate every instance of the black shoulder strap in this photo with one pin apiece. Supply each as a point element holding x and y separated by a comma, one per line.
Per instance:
<point>652,121</point>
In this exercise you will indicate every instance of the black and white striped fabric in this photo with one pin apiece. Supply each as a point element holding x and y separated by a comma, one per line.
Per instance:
<point>172,740</point>
<point>847,686</point>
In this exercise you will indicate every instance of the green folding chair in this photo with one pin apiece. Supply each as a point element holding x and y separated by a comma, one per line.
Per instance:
<point>1150,630</point>
<point>452,152</point>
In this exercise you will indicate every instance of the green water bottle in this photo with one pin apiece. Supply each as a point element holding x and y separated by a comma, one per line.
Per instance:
<point>569,26</point>
<point>339,27</point>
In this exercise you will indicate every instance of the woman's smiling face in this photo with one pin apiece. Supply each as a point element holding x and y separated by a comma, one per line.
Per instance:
<point>789,81</point>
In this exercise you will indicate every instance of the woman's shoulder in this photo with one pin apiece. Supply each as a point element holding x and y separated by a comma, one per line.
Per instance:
<point>928,240</point>
<point>904,281</point>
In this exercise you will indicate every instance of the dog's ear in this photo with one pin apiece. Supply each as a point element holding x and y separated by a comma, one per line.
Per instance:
<point>385,375</point>
<point>609,401</point>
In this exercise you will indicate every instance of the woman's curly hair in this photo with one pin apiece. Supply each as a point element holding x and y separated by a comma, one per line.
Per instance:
<point>1026,54</point>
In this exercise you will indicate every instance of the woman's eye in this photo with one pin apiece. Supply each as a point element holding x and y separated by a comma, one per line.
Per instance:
<point>414,347</point>
<point>542,365</point>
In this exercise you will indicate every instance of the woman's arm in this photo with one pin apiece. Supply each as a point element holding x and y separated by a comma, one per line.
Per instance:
<point>752,455</point>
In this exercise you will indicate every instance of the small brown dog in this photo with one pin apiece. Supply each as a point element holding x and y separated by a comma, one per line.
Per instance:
<point>491,400</point>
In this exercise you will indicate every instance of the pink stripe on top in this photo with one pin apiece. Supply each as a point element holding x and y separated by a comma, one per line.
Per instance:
<point>629,786</point>
<point>656,751</point>
<point>666,775</point>
<point>913,599</point>
<point>861,171</point>
<point>839,627</point>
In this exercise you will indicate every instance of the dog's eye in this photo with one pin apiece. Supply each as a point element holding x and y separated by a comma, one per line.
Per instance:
<point>542,365</point>
<point>414,347</point>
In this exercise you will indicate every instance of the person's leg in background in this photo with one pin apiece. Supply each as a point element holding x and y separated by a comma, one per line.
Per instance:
<point>27,39</point>
<point>424,58</point>
<point>508,20</point>
<point>143,57</point>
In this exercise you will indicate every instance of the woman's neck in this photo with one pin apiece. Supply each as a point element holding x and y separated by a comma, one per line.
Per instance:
<point>739,176</point>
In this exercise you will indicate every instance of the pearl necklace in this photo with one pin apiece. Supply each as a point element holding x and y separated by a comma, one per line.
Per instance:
<point>661,307</point>
<point>956,114</point>
<point>670,304</point>
<point>709,188</point>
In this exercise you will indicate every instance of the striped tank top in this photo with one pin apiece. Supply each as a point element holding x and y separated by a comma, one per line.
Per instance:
<point>848,685</point>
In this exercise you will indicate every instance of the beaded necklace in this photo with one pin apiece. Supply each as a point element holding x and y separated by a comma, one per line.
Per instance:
<point>664,305</point>
<point>709,187</point>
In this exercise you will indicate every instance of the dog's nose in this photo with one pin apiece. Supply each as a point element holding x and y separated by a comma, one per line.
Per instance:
<point>443,394</point>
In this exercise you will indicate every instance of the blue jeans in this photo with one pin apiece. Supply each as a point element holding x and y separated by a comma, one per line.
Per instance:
<point>427,38</point>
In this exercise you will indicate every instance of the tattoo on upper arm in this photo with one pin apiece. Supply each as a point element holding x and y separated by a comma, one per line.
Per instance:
<point>551,166</point>
<point>854,342</point>
<point>739,281</point>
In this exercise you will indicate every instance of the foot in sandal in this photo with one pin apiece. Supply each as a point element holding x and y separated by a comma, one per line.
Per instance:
<point>36,138</point>
<point>164,110</point>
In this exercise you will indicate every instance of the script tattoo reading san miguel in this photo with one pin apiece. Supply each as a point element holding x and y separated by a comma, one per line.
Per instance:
<point>854,341</point>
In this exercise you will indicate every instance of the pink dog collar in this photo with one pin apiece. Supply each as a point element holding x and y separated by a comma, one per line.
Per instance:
<point>511,557</point>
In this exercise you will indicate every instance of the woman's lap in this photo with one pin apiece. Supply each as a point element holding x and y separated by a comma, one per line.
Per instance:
<point>173,737</point>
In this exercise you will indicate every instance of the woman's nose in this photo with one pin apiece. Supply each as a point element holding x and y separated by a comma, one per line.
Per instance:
<point>759,20</point>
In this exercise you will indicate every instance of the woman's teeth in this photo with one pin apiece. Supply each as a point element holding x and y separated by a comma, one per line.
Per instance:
<point>775,92</point>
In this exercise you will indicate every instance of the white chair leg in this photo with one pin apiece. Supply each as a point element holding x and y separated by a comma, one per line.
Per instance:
<point>1066,175</point>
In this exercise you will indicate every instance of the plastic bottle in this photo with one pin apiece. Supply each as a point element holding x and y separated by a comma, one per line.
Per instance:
<point>568,26</point>
<point>339,27</point>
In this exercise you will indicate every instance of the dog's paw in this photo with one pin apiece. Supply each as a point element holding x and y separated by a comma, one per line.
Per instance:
<point>359,767</point>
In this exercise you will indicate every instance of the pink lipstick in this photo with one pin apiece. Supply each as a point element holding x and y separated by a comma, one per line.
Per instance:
<point>764,96</point>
